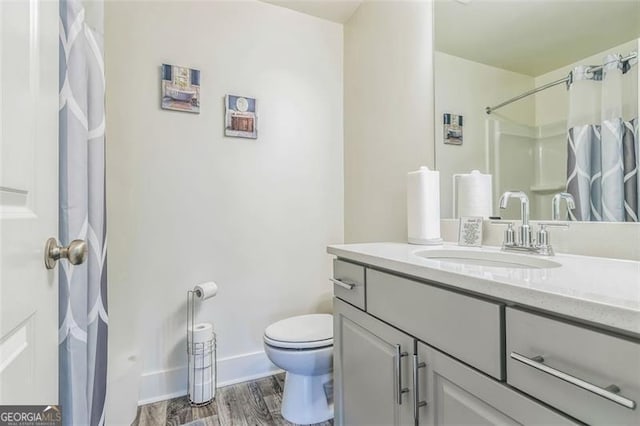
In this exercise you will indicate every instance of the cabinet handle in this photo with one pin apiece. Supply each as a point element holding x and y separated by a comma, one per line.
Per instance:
<point>400,390</point>
<point>344,283</point>
<point>610,392</point>
<point>416,388</point>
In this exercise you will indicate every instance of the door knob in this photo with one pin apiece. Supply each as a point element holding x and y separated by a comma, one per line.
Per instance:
<point>75,252</point>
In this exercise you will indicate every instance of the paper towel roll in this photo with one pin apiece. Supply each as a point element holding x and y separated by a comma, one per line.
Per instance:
<point>206,290</point>
<point>423,206</point>
<point>472,195</point>
<point>202,332</point>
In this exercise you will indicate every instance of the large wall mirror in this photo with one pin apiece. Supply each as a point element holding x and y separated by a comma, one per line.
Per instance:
<point>578,134</point>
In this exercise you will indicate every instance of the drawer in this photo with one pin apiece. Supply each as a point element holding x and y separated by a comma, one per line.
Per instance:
<point>570,368</point>
<point>349,282</point>
<point>467,328</point>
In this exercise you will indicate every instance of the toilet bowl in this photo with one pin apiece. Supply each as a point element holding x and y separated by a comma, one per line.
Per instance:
<point>303,347</point>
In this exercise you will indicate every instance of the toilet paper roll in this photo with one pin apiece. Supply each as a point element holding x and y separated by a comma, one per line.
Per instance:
<point>202,392</point>
<point>201,333</point>
<point>199,376</point>
<point>423,207</point>
<point>472,195</point>
<point>206,290</point>
<point>201,360</point>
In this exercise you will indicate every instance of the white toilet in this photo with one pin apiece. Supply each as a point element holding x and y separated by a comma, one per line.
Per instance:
<point>303,347</point>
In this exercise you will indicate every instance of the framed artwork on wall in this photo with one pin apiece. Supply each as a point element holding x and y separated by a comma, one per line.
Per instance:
<point>452,129</point>
<point>241,120</point>
<point>180,89</point>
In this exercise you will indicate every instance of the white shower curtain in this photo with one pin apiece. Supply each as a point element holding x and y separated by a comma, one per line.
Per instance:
<point>603,160</point>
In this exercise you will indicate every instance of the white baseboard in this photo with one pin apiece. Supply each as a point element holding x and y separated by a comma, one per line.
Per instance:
<point>170,383</point>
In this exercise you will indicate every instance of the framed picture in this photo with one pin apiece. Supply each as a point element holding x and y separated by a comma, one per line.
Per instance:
<point>470,231</point>
<point>180,89</point>
<point>452,129</point>
<point>241,120</point>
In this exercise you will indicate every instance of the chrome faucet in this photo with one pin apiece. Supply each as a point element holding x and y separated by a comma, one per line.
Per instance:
<point>555,204</point>
<point>524,232</point>
<point>524,242</point>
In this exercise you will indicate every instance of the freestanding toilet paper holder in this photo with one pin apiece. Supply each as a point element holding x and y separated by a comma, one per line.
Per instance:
<point>202,371</point>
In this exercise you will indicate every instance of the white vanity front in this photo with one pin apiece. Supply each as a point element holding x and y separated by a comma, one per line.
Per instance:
<point>450,335</point>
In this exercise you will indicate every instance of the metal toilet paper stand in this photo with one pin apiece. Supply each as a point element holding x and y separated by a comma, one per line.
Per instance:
<point>202,365</point>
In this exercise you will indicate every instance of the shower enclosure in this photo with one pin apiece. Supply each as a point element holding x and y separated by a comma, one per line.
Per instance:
<point>529,158</point>
<point>593,154</point>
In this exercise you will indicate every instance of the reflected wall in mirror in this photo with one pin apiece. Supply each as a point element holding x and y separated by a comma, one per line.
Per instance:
<point>579,136</point>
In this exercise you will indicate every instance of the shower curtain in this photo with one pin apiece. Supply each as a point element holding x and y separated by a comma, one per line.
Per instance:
<point>603,154</point>
<point>83,317</point>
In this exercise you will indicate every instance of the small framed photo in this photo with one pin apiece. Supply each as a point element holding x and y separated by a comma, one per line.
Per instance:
<point>241,120</point>
<point>180,89</point>
<point>452,129</point>
<point>470,231</point>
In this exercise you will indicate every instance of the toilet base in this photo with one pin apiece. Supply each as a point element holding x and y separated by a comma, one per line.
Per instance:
<point>305,400</point>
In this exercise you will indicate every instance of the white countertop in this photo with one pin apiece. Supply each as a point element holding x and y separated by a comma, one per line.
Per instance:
<point>602,291</point>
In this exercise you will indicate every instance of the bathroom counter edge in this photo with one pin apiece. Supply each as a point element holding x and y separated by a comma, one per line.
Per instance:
<point>598,291</point>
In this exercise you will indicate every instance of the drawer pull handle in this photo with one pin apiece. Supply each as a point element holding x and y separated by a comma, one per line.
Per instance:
<point>417,404</point>
<point>400,390</point>
<point>610,392</point>
<point>344,283</point>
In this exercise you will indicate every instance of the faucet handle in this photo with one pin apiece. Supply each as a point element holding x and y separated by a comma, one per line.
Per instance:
<point>543,239</point>
<point>509,233</point>
<point>543,225</point>
<point>502,222</point>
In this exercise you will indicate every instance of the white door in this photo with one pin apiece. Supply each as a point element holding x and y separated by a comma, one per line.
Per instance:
<point>28,201</point>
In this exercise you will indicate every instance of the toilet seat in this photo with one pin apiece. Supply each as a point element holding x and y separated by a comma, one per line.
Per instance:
<point>298,345</point>
<point>301,332</point>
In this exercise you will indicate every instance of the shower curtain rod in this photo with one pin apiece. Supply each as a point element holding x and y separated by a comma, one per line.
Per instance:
<point>566,79</point>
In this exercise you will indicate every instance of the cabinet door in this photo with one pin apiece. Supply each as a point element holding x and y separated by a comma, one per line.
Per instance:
<point>372,363</point>
<point>456,394</point>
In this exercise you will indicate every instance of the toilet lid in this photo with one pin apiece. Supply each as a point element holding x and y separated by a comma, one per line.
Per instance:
<point>315,329</point>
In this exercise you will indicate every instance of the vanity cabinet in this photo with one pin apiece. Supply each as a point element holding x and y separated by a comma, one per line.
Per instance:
<point>413,353</point>
<point>386,377</point>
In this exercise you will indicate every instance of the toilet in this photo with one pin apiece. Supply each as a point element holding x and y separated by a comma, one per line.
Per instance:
<point>303,347</point>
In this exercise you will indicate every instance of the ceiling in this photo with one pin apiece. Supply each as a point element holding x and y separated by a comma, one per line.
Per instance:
<point>333,10</point>
<point>530,37</point>
<point>533,37</point>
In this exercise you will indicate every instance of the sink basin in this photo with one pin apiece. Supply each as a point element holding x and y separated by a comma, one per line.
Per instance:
<point>489,258</point>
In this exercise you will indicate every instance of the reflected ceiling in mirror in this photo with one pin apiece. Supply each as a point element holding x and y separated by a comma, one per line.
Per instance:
<point>533,37</point>
<point>488,52</point>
